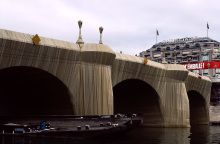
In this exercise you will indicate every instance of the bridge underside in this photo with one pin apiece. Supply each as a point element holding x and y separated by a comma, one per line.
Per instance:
<point>198,111</point>
<point>136,96</point>
<point>31,91</point>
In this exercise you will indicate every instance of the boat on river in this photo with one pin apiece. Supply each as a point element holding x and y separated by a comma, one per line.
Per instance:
<point>79,127</point>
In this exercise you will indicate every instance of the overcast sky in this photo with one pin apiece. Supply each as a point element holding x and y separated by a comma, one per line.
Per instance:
<point>129,25</point>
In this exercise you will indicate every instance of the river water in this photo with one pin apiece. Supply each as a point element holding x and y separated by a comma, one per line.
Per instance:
<point>141,135</point>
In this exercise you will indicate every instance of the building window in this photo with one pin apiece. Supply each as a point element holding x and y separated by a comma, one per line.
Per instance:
<point>194,53</point>
<point>146,55</point>
<point>205,72</point>
<point>215,50</point>
<point>177,47</point>
<point>195,71</point>
<point>168,48</point>
<point>205,58</point>
<point>167,60</point>
<point>217,71</point>
<point>187,46</point>
<point>189,58</point>
<point>195,58</point>
<point>205,50</point>
<point>157,55</point>
<point>184,59</point>
<point>178,53</point>
<point>167,54</point>
<point>197,45</point>
<point>158,49</point>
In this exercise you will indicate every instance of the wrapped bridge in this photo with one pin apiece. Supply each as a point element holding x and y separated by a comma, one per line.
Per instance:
<point>61,78</point>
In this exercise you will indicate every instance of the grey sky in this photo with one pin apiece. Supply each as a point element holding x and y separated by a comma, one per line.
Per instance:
<point>129,25</point>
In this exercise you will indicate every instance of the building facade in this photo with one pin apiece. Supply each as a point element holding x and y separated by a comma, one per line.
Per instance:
<point>199,55</point>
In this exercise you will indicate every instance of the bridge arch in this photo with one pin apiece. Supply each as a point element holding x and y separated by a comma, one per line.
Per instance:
<point>197,106</point>
<point>32,91</point>
<point>137,96</point>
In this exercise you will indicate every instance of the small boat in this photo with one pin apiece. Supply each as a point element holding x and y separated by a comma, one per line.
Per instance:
<point>79,127</point>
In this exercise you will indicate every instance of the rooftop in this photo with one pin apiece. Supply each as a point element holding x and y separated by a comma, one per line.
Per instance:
<point>184,41</point>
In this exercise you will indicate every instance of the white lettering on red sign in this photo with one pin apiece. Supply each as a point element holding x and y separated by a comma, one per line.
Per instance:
<point>194,66</point>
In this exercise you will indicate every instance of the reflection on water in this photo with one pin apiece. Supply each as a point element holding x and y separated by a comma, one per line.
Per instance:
<point>195,135</point>
<point>204,134</point>
<point>201,134</point>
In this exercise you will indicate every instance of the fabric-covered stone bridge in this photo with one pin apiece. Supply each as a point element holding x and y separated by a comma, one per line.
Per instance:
<point>57,77</point>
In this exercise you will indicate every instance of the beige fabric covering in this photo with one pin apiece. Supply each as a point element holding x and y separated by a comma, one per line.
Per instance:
<point>91,71</point>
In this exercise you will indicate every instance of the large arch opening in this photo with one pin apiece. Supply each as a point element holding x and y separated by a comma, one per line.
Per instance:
<point>31,91</point>
<point>136,96</point>
<point>198,112</point>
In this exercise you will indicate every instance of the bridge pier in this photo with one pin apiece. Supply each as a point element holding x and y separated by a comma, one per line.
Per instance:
<point>94,93</point>
<point>175,103</point>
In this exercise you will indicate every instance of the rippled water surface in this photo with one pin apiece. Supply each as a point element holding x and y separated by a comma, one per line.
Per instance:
<point>197,135</point>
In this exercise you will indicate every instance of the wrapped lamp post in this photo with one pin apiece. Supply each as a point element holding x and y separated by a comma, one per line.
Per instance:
<point>174,52</point>
<point>80,41</point>
<point>100,30</point>
<point>164,61</point>
<point>215,70</point>
<point>208,71</point>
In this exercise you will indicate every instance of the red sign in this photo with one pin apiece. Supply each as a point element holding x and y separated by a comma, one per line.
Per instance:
<point>202,65</point>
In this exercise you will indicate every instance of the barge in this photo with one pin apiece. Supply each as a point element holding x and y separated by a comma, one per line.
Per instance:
<point>79,127</point>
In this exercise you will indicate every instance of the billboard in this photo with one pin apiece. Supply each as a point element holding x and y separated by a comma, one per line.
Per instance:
<point>202,65</point>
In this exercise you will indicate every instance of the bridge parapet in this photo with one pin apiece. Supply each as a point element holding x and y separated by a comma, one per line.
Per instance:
<point>97,53</point>
<point>176,72</point>
<point>21,45</point>
<point>132,67</point>
<point>7,35</point>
